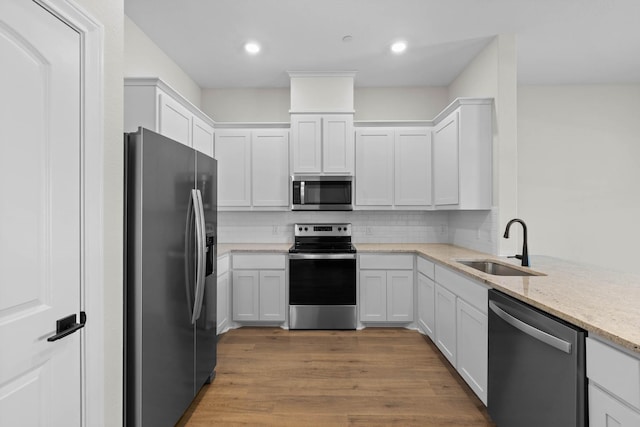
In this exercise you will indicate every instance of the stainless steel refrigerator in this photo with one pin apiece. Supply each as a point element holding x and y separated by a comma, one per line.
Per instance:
<point>170,277</point>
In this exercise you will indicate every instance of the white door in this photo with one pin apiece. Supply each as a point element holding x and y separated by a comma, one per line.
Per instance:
<point>374,167</point>
<point>412,167</point>
<point>270,167</point>
<point>40,240</point>
<point>233,152</point>
<point>337,144</point>
<point>400,296</point>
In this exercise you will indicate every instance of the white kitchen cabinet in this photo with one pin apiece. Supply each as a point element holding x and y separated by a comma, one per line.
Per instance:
<point>614,384</point>
<point>412,167</point>
<point>462,155</point>
<point>152,104</point>
<point>393,168</point>
<point>607,411</point>
<point>462,331</point>
<point>253,167</point>
<point>446,323</point>
<point>386,288</point>
<point>259,285</point>
<point>233,152</point>
<point>445,165</point>
<point>322,144</point>
<point>426,305</point>
<point>202,135</point>
<point>222,306</point>
<point>374,167</point>
<point>269,167</point>
<point>472,347</point>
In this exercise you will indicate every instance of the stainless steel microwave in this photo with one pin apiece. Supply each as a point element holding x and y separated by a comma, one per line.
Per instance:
<point>321,193</point>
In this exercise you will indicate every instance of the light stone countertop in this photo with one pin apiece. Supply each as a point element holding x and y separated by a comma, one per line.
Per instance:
<point>603,302</point>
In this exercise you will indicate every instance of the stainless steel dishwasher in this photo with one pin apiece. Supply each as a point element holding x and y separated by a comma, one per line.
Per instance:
<point>536,367</point>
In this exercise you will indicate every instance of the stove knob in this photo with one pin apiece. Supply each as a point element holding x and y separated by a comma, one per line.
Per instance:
<point>306,229</point>
<point>339,229</point>
<point>299,228</point>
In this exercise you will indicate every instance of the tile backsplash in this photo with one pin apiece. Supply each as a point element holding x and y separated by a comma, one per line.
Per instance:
<point>471,229</point>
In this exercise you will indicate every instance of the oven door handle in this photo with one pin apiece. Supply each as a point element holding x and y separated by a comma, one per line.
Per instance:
<point>322,256</point>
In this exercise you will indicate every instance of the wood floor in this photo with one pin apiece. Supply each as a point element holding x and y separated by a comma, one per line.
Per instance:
<point>373,377</point>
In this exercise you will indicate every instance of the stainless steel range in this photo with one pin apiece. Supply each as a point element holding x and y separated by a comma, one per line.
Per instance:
<point>322,278</point>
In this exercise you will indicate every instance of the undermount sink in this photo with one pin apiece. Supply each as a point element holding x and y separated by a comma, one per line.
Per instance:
<point>497,269</point>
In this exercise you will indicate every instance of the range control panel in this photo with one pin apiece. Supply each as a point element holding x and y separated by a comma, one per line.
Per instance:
<point>314,230</point>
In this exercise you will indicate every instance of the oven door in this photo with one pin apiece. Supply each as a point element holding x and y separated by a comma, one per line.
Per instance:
<point>322,279</point>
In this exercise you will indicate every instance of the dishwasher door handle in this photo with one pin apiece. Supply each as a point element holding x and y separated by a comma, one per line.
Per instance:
<point>546,338</point>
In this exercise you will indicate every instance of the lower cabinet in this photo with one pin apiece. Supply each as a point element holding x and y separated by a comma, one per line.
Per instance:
<point>614,385</point>
<point>386,295</point>
<point>462,327</point>
<point>426,297</point>
<point>222,298</point>
<point>259,294</point>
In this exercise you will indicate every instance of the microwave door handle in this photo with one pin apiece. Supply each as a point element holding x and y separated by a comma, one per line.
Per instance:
<point>302,192</point>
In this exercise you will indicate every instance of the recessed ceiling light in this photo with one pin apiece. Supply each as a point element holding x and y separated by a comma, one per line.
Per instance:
<point>252,48</point>
<point>399,47</point>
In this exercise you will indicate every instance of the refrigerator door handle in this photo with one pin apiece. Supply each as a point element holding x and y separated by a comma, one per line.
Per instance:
<point>201,242</point>
<point>188,267</point>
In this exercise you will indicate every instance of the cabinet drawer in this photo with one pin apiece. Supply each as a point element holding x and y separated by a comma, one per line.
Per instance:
<point>613,370</point>
<point>222,265</point>
<point>261,261</point>
<point>473,292</point>
<point>426,267</point>
<point>386,262</point>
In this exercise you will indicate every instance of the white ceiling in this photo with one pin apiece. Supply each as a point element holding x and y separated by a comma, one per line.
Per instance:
<point>558,41</point>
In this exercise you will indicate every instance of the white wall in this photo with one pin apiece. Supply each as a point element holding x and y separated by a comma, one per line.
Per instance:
<point>399,103</point>
<point>247,105</point>
<point>579,172</point>
<point>143,58</point>
<point>493,73</point>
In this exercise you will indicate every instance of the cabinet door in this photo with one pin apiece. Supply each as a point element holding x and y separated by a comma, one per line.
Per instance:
<point>337,144</point>
<point>374,167</point>
<point>412,167</point>
<point>400,296</point>
<point>446,323</point>
<point>270,167</point>
<point>426,305</point>
<point>202,136</point>
<point>472,348</point>
<point>174,119</point>
<point>272,298</point>
<point>223,303</point>
<point>445,161</point>
<point>373,295</point>
<point>233,152</point>
<point>607,411</point>
<point>306,143</point>
<point>246,303</point>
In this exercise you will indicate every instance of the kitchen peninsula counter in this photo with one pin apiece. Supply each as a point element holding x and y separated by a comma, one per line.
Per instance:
<point>603,302</point>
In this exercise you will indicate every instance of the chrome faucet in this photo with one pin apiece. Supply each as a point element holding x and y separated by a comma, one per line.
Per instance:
<point>525,252</point>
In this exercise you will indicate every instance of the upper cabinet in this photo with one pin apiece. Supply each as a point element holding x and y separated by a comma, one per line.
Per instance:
<point>253,167</point>
<point>152,104</point>
<point>462,155</point>
<point>393,168</point>
<point>322,144</point>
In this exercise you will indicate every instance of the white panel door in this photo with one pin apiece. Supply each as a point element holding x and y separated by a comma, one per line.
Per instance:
<point>233,152</point>
<point>246,291</point>
<point>426,305</point>
<point>337,144</point>
<point>400,296</point>
<point>373,295</point>
<point>270,167</point>
<point>202,136</point>
<point>40,216</point>
<point>174,119</point>
<point>272,298</point>
<point>446,180</point>
<point>446,323</point>
<point>374,167</point>
<point>306,143</point>
<point>472,348</point>
<point>413,167</point>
